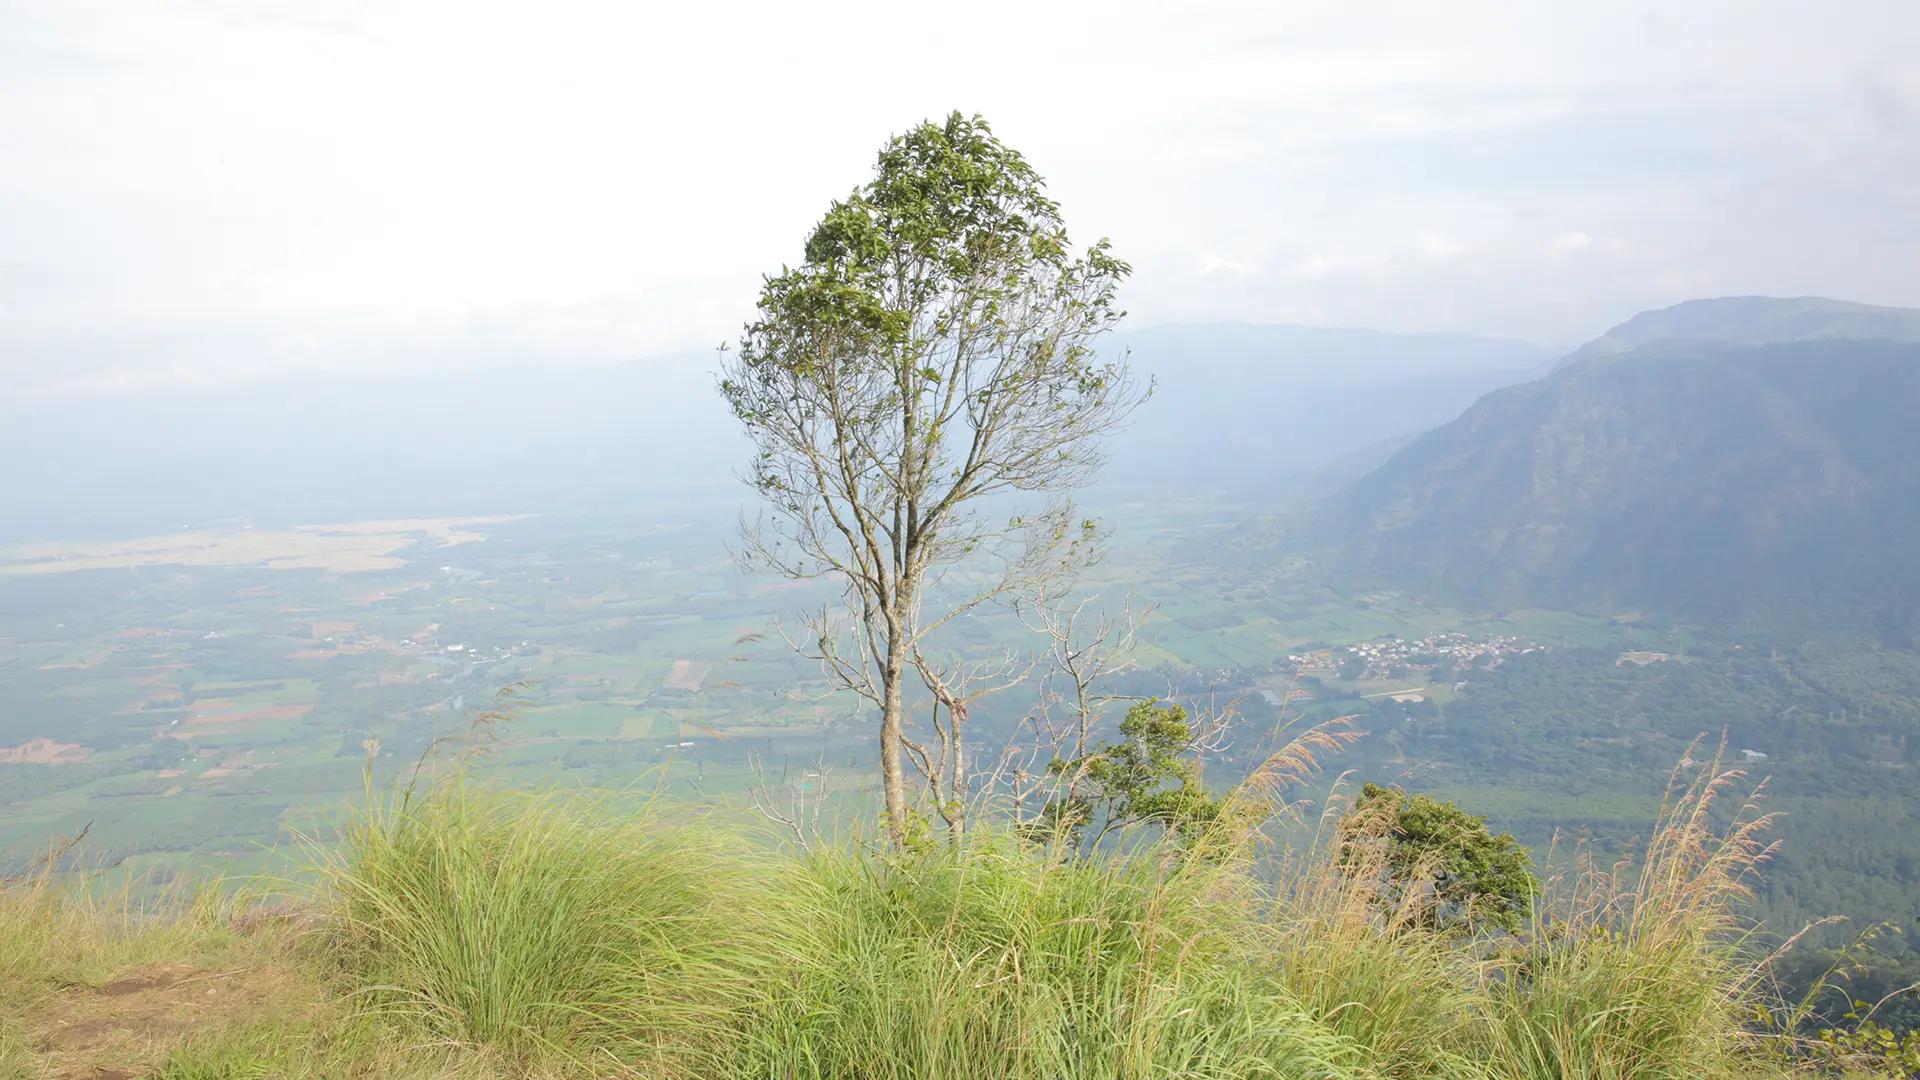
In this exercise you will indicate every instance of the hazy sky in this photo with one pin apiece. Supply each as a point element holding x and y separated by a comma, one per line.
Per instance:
<point>198,192</point>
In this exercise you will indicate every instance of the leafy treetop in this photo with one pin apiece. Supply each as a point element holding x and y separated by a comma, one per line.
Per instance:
<point>1478,878</point>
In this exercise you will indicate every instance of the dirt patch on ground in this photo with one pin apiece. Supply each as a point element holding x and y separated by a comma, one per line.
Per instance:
<point>378,595</point>
<point>155,978</point>
<point>345,548</point>
<point>91,660</point>
<point>43,752</point>
<point>211,716</point>
<point>124,1028</point>
<point>313,654</point>
<point>687,674</point>
<point>163,695</point>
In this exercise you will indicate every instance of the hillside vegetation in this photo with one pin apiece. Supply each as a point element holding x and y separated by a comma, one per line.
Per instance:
<point>1711,479</point>
<point>465,931</point>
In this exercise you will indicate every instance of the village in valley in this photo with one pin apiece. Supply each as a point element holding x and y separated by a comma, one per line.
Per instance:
<point>1447,656</point>
<point>1394,657</point>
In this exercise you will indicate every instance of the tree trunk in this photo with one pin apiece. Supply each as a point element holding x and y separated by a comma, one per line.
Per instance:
<point>957,827</point>
<point>892,714</point>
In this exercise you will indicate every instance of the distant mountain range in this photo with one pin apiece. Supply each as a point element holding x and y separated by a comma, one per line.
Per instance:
<point>1717,454</point>
<point>1278,411</point>
<point>535,434</point>
<point>1755,320</point>
<point>1286,412</point>
<point>1709,458</point>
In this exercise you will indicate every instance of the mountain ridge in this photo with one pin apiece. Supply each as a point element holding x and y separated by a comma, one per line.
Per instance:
<point>1753,320</point>
<point>1703,476</point>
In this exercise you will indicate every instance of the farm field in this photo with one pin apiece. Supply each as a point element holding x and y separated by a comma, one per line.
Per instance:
<point>210,692</point>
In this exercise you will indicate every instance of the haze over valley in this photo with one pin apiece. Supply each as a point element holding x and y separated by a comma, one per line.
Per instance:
<point>482,546</point>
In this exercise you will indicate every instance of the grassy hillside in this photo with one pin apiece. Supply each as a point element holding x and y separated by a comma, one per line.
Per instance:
<point>473,932</point>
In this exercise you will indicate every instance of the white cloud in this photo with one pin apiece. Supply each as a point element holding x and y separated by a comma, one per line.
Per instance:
<point>605,178</point>
<point>1572,241</point>
<point>1335,265</point>
<point>1435,246</point>
<point>1215,264</point>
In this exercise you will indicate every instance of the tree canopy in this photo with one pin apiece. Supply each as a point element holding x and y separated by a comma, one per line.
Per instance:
<point>1149,777</point>
<point>934,348</point>
<point>1476,877</point>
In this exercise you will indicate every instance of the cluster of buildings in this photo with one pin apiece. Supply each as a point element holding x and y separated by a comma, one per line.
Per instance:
<point>460,650</point>
<point>1387,657</point>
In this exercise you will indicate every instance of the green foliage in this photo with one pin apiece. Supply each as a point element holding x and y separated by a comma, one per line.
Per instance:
<point>1478,879</point>
<point>1569,739</point>
<point>1001,959</point>
<point>252,1058</point>
<point>1005,963</point>
<point>934,348</point>
<point>1645,969</point>
<point>1596,1002</point>
<point>523,923</point>
<point>950,207</point>
<point>1830,984</point>
<point>1865,1045</point>
<point>1148,777</point>
<point>951,266</point>
<point>1858,1009</point>
<point>485,935</point>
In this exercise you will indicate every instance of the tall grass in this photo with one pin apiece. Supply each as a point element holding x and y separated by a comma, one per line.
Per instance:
<point>58,930</point>
<point>66,938</point>
<point>1645,969</point>
<point>536,928</point>
<point>1008,962</point>
<point>464,931</point>
<point>559,934</point>
<point>545,927</point>
<point>1369,966</point>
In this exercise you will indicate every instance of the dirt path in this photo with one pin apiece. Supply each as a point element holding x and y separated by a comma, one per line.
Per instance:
<point>124,1029</point>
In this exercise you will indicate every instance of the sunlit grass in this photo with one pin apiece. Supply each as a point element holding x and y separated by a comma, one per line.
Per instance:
<point>464,931</point>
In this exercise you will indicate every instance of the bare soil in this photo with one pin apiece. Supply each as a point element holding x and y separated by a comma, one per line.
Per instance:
<point>124,1028</point>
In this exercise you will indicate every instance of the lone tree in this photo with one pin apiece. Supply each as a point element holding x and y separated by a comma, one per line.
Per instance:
<point>1477,879</point>
<point>933,349</point>
<point>1151,776</point>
